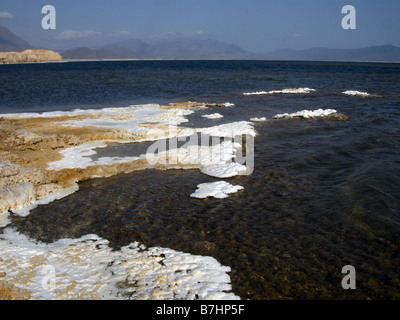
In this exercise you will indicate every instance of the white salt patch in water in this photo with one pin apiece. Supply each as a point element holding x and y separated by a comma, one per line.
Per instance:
<point>88,268</point>
<point>219,189</point>
<point>356,93</point>
<point>283,91</point>
<point>255,93</point>
<point>224,170</point>
<point>230,129</point>
<point>306,114</point>
<point>258,119</point>
<point>213,116</point>
<point>228,104</point>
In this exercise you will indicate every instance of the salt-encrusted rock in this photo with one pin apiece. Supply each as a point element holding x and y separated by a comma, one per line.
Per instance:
<point>49,190</point>
<point>17,196</point>
<point>8,170</point>
<point>10,292</point>
<point>11,174</point>
<point>30,56</point>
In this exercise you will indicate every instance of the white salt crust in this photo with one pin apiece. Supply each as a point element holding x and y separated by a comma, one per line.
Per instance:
<point>214,160</point>
<point>306,114</point>
<point>283,91</point>
<point>219,189</point>
<point>258,119</point>
<point>356,93</point>
<point>128,118</point>
<point>213,116</point>
<point>87,268</point>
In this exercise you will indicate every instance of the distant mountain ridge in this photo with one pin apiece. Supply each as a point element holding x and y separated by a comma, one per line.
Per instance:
<point>200,49</point>
<point>212,49</point>
<point>10,42</point>
<point>174,49</point>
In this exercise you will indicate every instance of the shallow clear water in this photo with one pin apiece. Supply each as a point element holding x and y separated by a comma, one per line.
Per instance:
<point>323,194</point>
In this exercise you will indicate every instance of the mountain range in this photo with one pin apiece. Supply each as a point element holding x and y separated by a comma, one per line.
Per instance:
<point>10,42</point>
<point>200,49</point>
<point>184,48</point>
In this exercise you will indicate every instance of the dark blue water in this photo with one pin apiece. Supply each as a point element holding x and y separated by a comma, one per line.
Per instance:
<point>323,194</point>
<point>40,87</point>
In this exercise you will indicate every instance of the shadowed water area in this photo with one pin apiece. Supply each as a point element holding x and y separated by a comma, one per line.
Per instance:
<point>323,193</point>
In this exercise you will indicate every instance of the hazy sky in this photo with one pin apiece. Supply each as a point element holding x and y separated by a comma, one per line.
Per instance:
<point>255,25</point>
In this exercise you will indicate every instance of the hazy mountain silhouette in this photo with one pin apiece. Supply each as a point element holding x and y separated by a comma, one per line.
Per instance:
<point>191,48</point>
<point>10,42</point>
<point>185,48</point>
<point>211,49</point>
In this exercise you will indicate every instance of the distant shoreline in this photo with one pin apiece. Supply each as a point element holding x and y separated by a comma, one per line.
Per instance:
<point>29,56</point>
<point>271,60</point>
<point>274,60</point>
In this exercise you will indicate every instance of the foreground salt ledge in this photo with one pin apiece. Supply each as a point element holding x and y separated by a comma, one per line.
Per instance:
<point>131,124</point>
<point>87,268</point>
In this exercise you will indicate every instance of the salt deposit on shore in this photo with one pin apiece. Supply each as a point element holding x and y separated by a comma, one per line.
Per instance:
<point>69,139</point>
<point>87,268</point>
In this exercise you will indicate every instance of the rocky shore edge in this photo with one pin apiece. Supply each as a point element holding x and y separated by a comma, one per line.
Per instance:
<point>28,144</point>
<point>30,56</point>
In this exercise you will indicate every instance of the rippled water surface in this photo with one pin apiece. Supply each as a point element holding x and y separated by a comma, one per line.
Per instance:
<point>323,194</point>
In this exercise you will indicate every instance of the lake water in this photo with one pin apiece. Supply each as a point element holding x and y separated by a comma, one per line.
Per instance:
<point>323,193</point>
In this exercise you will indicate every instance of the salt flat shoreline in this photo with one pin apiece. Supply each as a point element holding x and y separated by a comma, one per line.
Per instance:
<point>28,137</point>
<point>26,181</point>
<point>67,138</point>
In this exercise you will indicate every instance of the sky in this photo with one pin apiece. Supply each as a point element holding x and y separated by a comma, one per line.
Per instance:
<point>258,26</point>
